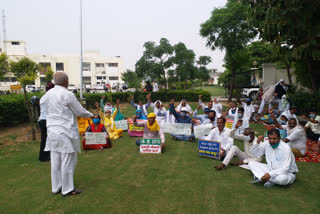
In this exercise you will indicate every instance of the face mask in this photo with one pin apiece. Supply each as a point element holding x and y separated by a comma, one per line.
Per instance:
<point>282,122</point>
<point>312,115</point>
<point>183,114</point>
<point>240,115</point>
<point>275,145</point>
<point>206,116</point>
<point>96,120</point>
<point>246,137</point>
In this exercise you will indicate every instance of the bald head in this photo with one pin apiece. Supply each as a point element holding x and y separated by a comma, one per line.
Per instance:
<point>61,78</point>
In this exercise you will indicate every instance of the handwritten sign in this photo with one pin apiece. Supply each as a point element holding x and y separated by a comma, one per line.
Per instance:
<point>209,149</point>
<point>96,138</point>
<point>176,128</point>
<point>283,134</point>
<point>152,146</point>
<point>202,130</point>
<point>132,127</point>
<point>121,124</point>
<point>229,123</point>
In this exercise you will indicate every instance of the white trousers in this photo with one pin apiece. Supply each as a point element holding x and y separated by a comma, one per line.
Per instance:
<point>240,154</point>
<point>62,170</point>
<point>263,102</point>
<point>260,169</point>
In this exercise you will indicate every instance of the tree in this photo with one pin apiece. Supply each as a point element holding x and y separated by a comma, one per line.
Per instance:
<point>227,29</point>
<point>26,72</point>
<point>203,71</point>
<point>4,65</point>
<point>292,24</point>
<point>156,61</point>
<point>48,74</point>
<point>132,79</point>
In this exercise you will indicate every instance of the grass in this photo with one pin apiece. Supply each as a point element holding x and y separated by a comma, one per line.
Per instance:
<point>215,91</point>
<point>120,180</point>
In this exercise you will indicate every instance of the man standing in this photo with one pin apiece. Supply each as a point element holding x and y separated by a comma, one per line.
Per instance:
<point>281,167</point>
<point>63,139</point>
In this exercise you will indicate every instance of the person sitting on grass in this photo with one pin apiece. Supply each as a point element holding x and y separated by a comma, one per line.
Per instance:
<point>185,105</point>
<point>312,127</point>
<point>139,116</point>
<point>296,137</point>
<point>140,106</point>
<point>158,109</point>
<point>204,119</point>
<point>151,129</point>
<point>281,167</point>
<point>221,134</point>
<point>96,126</point>
<point>244,121</point>
<point>109,123</point>
<point>232,111</point>
<point>245,157</point>
<point>181,117</point>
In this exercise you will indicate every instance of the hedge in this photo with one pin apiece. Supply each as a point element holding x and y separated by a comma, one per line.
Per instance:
<point>13,110</point>
<point>305,101</point>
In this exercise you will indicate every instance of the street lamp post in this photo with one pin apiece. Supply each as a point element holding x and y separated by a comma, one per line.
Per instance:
<point>81,57</point>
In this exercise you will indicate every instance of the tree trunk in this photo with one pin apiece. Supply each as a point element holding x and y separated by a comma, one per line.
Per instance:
<point>288,65</point>
<point>30,114</point>
<point>202,86</point>
<point>313,75</point>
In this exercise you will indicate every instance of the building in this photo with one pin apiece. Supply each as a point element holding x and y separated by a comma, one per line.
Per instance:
<point>97,70</point>
<point>214,77</point>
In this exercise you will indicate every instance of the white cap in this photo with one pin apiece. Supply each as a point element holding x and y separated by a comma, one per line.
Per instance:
<point>281,80</point>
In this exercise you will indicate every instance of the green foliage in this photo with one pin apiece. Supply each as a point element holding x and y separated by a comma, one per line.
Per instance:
<point>132,79</point>
<point>25,70</point>
<point>12,108</point>
<point>49,74</point>
<point>305,101</point>
<point>4,65</point>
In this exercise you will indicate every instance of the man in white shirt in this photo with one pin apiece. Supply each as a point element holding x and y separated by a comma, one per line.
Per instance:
<point>63,140</point>
<point>244,121</point>
<point>221,134</point>
<point>312,127</point>
<point>245,157</point>
<point>155,86</point>
<point>281,167</point>
<point>212,105</point>
<point>296,137</point>
<point>248,109</point>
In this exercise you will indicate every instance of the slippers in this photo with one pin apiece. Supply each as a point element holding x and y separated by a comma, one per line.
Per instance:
<point>73,192</point>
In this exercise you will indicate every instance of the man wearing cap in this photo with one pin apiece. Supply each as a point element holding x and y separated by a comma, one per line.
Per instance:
<point>203,118</point>
<point>151,129</point>
<point>181,117</point>
<point>212,105</point>
<point>281,89</point>
<point>248,108</point>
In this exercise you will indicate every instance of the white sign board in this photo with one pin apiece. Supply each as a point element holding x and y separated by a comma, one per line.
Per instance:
<point>202,130</point>
<point>121,124</point>
<point>176,128</point>
<point>152,146</point>
<point>96,138</point>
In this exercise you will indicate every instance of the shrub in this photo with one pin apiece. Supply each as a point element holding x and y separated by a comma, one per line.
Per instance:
<point>304,100</point>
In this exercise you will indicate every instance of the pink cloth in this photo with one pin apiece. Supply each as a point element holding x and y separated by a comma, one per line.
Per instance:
<point>149,134</point>
<point>135,133</point>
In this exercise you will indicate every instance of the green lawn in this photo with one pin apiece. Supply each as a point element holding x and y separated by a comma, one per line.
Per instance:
<point>120,180</point>
<point>215,91</point>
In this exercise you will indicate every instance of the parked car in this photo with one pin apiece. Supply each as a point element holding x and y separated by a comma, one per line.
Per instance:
<point>250,92</point>
<point>72,88</point>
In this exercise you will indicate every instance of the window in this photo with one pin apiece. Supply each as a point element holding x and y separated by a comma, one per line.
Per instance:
<point>42,80</point>
<point>99,78</point>
<point>86,80</point>
<point>86,66</point>
<point>113,64</point>
<point>113,78</point>
<point>98,83</point>
<point>104,78</point>
<point>45,64</point>
<point>15,43</point>
<point>59,66</point>
<point>99,65</point>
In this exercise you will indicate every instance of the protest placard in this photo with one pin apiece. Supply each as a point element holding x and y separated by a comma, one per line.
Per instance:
<point>132,127</point>
<point>152,146</point>
<point>229,123</point>
<point>209,149</point>
<point>121,124</point>
<point>202,130</point>
<point>176,128</point>
<point>96,138</point>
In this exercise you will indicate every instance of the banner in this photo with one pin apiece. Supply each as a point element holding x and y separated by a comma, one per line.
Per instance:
<point>133,127</point>
<point>15,87</point>
<point>229,123</point>
<point>152,146</point>
<point>202,130</point>
<point>209,149</point>
<point>121,124</point>
<point>96,138</point>
<point>177,128</point>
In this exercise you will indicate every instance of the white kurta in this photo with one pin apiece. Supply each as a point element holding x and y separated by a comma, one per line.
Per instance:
<point>280,165</point>
<point>223,138</point>
<point>288,115</point>
<point>245,156</point>
<point>248,110</point>
<point>297,137</point>
<point>63,140</point>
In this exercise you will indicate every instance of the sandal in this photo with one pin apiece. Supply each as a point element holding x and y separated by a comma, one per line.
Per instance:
<point>73,192</point>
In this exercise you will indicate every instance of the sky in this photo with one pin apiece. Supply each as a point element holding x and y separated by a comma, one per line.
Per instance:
<point>114,28</point>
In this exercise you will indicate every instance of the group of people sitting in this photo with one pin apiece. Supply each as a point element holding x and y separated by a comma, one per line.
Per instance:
<point>285,140</point>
